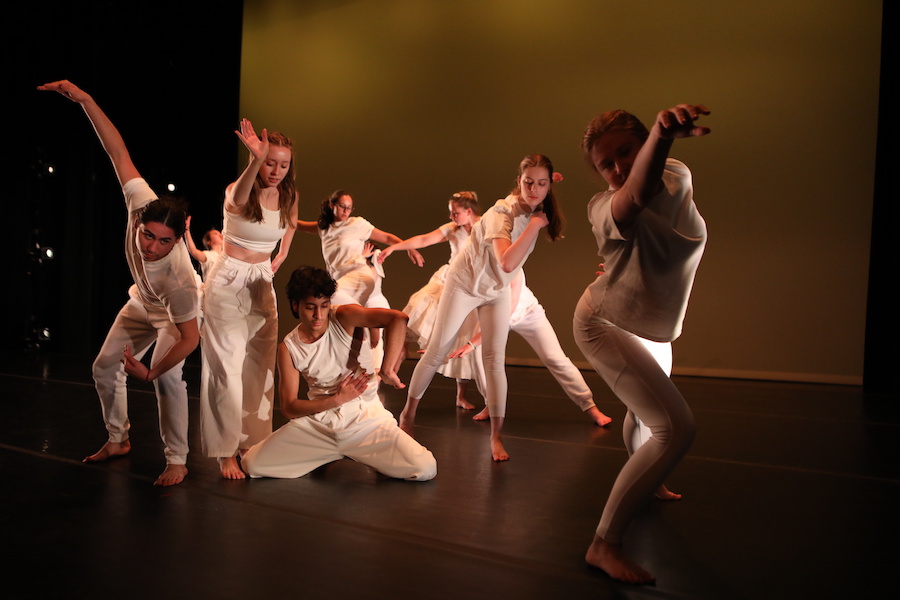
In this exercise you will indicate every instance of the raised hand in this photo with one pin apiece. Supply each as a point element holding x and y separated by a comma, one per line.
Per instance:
<point>258,146</point>
<point>679,122</point>
<point>67,89</point>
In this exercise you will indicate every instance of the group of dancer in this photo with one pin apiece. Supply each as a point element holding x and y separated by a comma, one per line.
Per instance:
<point>649,234</point>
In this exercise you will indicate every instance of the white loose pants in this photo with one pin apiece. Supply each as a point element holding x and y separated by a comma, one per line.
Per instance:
<point>238,341</point>
<point>138,326</point>
<point>362,430</point>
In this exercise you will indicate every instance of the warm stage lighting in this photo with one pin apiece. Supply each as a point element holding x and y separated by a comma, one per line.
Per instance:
<point>171,187</point>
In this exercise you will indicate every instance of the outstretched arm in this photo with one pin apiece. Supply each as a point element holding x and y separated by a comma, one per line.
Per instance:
<point>109,136</point>
<point>393,322</point>
<point>390,239</point>
<point>418,241</point>
<point>646,173</point>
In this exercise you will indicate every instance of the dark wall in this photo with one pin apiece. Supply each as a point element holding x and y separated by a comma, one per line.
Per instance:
<point>167,73</point>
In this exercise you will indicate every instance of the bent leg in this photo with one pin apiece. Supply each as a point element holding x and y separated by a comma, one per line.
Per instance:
<point>292,451</point>
<point>374,439</point>
<point>130,328</point>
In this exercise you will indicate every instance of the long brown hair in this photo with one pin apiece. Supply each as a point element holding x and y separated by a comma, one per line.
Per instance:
<point>550,205</point>
<point>287,189</point>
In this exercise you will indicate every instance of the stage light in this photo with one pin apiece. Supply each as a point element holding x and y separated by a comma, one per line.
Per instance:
<point>47,253</point>
<point>50,169</point>
<point>44,334</point>
<point>171,187</point>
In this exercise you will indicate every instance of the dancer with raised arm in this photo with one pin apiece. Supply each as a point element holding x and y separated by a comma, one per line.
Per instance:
<point>212,248</point>
<point>240,315</point>
<point>651,238</point>
<point>163,306</point>
<point>342,416</point>
<point>479,278</point>
<point>422,306</point>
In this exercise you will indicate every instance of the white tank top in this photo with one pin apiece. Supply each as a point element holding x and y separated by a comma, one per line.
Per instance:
<point>256,237</point>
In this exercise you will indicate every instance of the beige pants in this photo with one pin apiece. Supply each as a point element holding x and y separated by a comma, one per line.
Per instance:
<point>362,430</point>
<point>138,327</point>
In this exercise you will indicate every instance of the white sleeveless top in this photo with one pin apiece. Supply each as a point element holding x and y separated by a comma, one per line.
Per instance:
<point>262,236</point>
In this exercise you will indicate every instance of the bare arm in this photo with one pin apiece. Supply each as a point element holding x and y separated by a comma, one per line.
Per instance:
<point>196,252</point>
<point>393,322</point>
<point>646,173</point>
<point>390,239</point>
<point>308,226</point>
<point>109,136</point>
<point>293,407</point>
<point>190,337</point>
<point>285,246</point>
<point>511,254</point>
<point>418,241</point>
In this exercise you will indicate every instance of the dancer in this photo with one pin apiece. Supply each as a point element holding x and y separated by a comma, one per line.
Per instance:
<point>343,242</point>
<point>163,306</point>
<point>651,238</point>
<point>240,325</point>
<point>479,278</point>
<point>530,321</point>
<point>422,306</point>
<point>212,244</point>
<point>343,416</point>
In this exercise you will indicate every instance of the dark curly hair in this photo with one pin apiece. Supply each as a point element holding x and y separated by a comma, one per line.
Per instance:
<point>309,282</point>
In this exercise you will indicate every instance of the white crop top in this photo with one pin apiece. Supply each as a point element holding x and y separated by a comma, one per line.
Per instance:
<point>256,237</point>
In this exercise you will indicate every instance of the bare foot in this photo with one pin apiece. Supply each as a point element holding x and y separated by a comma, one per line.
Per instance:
<point>663,493</point>
<point>174,474</point>
<point>610,559</point>
<point>464,404</point>
<point>598,417</point>
<point>230,468</point>
<point>406,424</point>
<point>109,450</point>
<point>484,415</point>
<point>498,452</point>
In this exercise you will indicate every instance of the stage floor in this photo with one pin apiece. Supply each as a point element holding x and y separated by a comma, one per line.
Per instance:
<point>790,491</point>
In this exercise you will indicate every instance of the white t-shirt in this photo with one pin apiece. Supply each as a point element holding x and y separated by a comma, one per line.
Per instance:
<point>343,244</point>
<point>169,282</point>
<point>649,276</point>
<point>476,268</point>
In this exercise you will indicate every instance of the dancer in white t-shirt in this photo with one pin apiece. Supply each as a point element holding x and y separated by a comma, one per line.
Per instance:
<point>162,309</point>
<point>651,238</point>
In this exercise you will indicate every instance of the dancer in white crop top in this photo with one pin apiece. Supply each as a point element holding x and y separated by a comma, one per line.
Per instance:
<point>240,326</point>
<point>162,308</point>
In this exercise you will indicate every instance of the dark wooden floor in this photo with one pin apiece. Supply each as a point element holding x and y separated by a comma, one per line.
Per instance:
<point>791,491</point>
